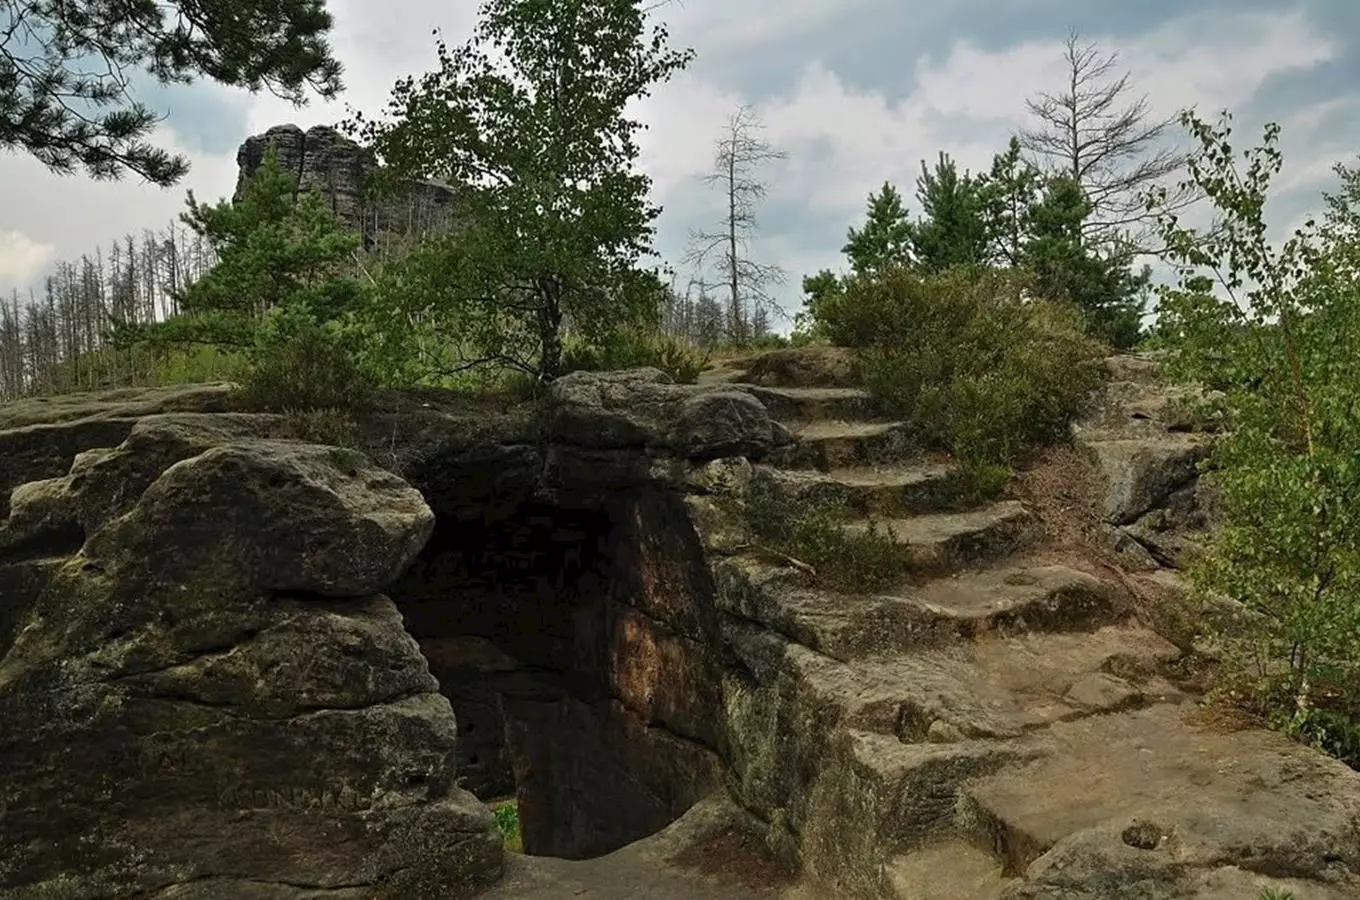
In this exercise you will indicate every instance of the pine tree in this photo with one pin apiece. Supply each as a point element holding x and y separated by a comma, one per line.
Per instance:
<point>1009,192</point>
<point>883,240</point>
<point>68,99</point>
<point>272,253</point>
<point>952,230</point>
<point>1102,283</point>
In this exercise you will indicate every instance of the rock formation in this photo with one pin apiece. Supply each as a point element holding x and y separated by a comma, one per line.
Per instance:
<point>321,158</point>
<point>235,664</point>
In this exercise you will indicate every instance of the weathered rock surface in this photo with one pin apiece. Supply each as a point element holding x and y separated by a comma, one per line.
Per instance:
<point>202,672</point>
<point>323,159</point>
<point>208,696</point>
<point>1148,451</point>
<point>1002,725</point>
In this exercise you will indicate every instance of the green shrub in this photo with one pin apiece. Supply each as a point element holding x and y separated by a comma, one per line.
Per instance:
<point>507,820</point>
<point>299,364</point>
<point>815,535</point>
<point>635,348</point>
<point>975,366</point>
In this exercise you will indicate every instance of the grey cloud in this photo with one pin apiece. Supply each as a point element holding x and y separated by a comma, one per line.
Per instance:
<point>757,52</point>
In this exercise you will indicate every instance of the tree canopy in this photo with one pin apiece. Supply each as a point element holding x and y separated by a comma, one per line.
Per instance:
<point>528,118</point>
<point>66,71</point>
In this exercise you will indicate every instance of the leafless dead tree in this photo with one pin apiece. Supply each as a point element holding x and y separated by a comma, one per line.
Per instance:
<point>1115,149</point>
<point>726,250</point>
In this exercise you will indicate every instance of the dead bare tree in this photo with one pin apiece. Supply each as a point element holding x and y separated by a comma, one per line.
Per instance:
<point>1114,149</point>
<point>726,250</point>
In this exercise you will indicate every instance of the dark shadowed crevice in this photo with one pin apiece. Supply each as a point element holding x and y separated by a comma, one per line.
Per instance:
<point>529,615</point>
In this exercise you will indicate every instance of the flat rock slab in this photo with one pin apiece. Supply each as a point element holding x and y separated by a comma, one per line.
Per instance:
<point>1249,798</point>
<point>999,688</point>
<point>950,870</point>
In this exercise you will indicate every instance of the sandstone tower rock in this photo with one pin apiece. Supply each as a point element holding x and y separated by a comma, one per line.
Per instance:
<point>323,158</point>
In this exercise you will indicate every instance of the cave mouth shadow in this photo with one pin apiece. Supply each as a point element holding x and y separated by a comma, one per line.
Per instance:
<point>513,610</point>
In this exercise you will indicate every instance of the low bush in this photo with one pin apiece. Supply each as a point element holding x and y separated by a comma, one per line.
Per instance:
<point>979,368</point>
<point>816,536</point>
<point>298,364</point>
<point>635,348</point>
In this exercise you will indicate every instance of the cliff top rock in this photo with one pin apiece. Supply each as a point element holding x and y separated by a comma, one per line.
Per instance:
<point>322,158</point>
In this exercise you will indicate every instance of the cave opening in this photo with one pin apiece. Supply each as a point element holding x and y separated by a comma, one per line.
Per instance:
<point>568,697</point>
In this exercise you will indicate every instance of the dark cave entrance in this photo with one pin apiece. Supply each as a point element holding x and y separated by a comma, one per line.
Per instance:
<point>566,696</point>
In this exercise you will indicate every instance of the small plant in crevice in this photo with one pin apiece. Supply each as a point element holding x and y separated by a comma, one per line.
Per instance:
<point>980,482</point>
<point>507,820</point>
<point>815,539</point>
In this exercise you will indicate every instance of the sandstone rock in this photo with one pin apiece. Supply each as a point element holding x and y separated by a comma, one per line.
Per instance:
<point>210,699</point>
<point>803,367</point>
<point>642,409</point>
<point>40,436</point>
<point>323,159</point>
<point>1142,473</point>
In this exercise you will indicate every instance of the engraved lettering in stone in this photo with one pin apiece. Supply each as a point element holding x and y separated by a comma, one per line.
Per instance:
<point>166,760</point>
<point>329,798</point>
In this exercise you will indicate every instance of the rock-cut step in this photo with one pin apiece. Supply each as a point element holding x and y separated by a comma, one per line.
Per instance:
<point>889,491</point>
<point>828,445</point>
<point>815,404</point>
<point>1010,599</point>
<point>944,541</point>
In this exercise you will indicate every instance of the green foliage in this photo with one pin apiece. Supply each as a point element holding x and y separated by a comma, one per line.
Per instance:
<point>1280,343</point>
<point>1102,284</point>
<point>1011,217</point>
<point>507,820</point>
<point>68,103</point>
<point>301,364</point>
<point>273,251</point>
<point>282,296</point>
<point>952,230</point>
<point>529,117</point>
<point>978,369</point>
<point>815,536</point>
<point>883,240</point>
<point>636,348</point>
<point>195,365</point>
<point>1009,193</point>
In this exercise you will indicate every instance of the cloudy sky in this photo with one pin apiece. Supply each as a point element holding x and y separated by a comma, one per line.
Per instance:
<point>855,91</point>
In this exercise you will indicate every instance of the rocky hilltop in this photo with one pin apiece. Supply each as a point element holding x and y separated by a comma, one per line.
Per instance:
<point>237,664</point>
<point>326,160</point>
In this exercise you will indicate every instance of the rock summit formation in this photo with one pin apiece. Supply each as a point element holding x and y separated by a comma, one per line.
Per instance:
<point>322,158</point>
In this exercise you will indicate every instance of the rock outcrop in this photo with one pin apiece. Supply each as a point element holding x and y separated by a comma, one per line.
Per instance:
<point>237,664</point>
<point>206,694</point>
<point>323,159</point>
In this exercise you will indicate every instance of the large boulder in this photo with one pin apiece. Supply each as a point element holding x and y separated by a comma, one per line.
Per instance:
<point>40,436</point>
<point>644,410</point>
<point>211,698</point>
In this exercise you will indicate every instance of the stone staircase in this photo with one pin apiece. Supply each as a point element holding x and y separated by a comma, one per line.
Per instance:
<point>1001,724</point>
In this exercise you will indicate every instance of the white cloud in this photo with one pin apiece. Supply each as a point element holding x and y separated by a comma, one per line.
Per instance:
<point>22,259</point>
<point>844,136</point>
